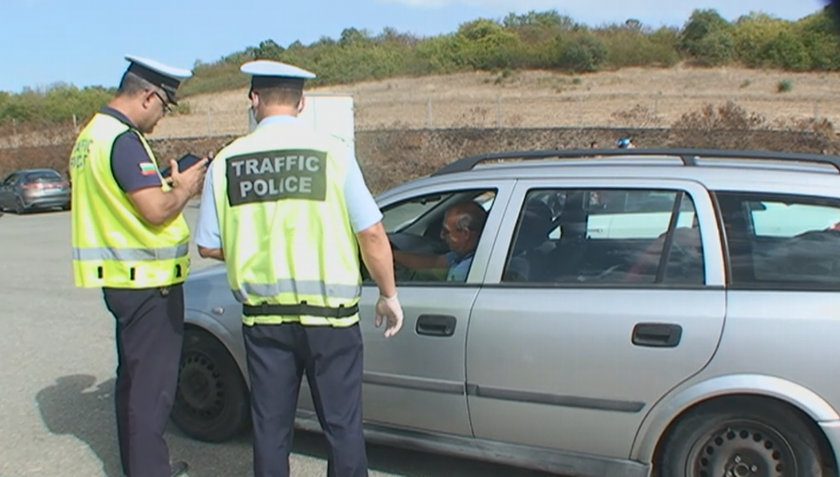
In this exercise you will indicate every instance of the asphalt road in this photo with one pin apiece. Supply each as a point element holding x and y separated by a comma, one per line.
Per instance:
<point>57,378</point>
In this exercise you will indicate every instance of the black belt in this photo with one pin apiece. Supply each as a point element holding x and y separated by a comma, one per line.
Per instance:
<point>302,309</point>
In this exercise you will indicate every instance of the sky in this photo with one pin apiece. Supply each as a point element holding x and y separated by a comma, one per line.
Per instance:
<point>84,42</point>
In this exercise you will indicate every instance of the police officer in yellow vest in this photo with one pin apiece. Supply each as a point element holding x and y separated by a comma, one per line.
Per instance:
<point>288,211</point>
<point>130,239</point>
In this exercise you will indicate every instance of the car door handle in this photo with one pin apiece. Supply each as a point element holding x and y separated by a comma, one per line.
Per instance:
<point>436,325</point>
<point>657,335</point>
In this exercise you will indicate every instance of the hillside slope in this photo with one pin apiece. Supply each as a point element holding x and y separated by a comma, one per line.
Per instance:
<point>544,99</point>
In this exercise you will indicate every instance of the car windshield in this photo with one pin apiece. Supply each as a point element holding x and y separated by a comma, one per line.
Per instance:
<point>42,176</point>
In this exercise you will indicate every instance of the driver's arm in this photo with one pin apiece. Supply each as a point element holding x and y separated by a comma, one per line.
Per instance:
<point>419,261</point>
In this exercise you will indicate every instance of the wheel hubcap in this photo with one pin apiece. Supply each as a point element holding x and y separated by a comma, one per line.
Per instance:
<point>742,449</point>
<point>200,388</point>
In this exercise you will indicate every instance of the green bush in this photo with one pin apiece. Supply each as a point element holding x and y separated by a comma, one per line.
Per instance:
<point>752,33</point>
<point>630,46</point>
<point>786,51</point>
<point>438,55</point>
<point>216,77</point>
<point>58,103</point>
<point>715,49</point>
<point>702,25</point>
<point>486,45</point>
<point>584,53</point>
<point>784,86</point>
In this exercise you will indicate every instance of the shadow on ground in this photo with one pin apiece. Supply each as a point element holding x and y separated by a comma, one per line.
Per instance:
<point>34,212</point>
<point>76,405</point>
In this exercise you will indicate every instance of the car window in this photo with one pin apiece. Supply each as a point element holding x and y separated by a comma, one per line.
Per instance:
<point>776,219</point>
<point>606,236</point>
<point>421,240</point>
<point>627,213</point>
<point>402,215</point>
<point>42,176</point>
<point>782,241</point>
<point>10,179</point>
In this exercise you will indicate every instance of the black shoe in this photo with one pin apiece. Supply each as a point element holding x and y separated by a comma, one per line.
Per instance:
<point>178,469</point>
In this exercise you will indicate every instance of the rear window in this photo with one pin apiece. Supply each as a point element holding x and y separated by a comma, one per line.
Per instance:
<point>606,236</point>
<point>779,241</point>
<point>42,176</point>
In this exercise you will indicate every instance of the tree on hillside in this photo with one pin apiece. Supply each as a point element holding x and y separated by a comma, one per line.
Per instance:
<point>487,45</point>
<point>581,53</point>
<point>545,20</point>
<point>267,50</point>
<point>819,34</point>
<point>787,51</point>
<point>634,45</point>
<point>439,55</point>
<point>391,37</point>
<point>701,24</point>
<point>354,37</point>
<point>708,38</point>
<point>537,32</point>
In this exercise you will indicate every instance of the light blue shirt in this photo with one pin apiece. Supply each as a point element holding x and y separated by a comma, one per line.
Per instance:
<point>459,266</point>
<point>361,207</point>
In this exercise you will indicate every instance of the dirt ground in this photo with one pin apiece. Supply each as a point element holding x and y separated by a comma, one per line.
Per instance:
<point>626,98</point>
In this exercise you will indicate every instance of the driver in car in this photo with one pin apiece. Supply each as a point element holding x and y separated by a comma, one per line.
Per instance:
<point>462,226</point>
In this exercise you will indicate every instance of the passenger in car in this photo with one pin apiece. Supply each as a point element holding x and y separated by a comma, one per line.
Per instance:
<point>462,226</point>
<point>528,254</point>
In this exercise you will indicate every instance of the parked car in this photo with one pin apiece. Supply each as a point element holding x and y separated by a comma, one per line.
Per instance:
<point>34,189</point>
<point>677,315</point>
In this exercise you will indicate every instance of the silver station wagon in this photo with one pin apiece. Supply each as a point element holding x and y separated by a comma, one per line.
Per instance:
<point>627,312</point>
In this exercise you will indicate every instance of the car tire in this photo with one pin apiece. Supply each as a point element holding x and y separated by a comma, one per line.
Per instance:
<point>744,436</point>
<point>212,399</point>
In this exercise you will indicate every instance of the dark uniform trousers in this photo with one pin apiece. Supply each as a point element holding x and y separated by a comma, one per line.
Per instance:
<point>332,358</point>
<point>149,335</point>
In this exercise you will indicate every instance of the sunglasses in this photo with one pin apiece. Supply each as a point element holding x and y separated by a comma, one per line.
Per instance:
<point>166,108</point>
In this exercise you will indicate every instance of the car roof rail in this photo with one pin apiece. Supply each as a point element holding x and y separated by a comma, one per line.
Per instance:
<point>688,156</point>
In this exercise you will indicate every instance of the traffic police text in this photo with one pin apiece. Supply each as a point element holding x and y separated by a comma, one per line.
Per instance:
<point>275,175</point>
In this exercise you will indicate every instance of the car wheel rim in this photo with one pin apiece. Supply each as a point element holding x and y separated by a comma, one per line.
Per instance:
<point>742,449</point>
<point>200,388</point>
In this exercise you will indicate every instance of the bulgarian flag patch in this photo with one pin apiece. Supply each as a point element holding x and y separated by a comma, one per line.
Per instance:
<point>148,169</point>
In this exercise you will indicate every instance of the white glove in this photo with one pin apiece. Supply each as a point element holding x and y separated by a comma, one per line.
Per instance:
<point>391,311</point>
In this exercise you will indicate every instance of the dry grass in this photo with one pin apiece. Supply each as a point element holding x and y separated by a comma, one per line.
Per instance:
<point>626,98</point>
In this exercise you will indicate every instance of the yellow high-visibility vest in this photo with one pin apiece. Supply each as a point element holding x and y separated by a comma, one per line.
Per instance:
<point>290,250</point>
<point>112,245</point>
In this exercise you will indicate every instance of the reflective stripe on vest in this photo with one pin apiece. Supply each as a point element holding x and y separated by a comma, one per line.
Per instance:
<point>298,287</point>
<point>131,254</point>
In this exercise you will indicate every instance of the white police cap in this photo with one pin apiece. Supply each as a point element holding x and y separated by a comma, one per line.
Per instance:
<point>268,73</point>
<point>166,77</point>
